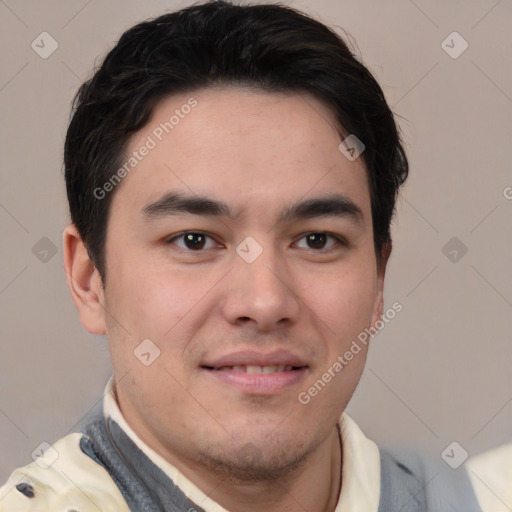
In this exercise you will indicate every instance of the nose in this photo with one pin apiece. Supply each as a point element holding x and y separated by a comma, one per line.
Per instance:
<point>261,292</point>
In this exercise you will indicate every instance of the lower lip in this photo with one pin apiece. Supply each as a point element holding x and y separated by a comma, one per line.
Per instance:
<point>260,383</point>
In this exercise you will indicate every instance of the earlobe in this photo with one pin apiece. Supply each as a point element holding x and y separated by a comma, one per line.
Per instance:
<point>84,281</point>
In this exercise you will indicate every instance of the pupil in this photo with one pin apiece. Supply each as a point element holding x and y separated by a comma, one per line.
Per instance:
<point>317,239</point>
<point>192,241</point>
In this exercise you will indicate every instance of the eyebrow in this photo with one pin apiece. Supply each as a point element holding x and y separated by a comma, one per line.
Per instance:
<point>174,203</point>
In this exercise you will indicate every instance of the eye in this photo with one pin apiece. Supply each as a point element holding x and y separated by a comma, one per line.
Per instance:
<point>193,240</point>
<point>319,241</point>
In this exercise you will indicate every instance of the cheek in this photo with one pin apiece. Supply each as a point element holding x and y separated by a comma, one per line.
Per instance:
<point>161,305</point>
<point>343,301</point>
<point>344,304</point>
<point>148,298</point>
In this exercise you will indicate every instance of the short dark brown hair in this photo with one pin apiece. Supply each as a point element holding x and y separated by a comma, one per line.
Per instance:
<point>269,46</point>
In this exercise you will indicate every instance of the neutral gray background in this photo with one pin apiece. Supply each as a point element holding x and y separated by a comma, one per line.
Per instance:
<point>439,372</point>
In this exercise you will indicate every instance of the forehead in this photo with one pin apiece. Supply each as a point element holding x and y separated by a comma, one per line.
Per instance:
<point>242,145</point>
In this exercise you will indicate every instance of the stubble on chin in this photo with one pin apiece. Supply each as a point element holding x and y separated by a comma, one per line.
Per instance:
<point>250,463</point>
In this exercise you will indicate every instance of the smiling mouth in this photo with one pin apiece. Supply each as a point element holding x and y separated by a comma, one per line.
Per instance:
<point>262,380</point>
<point>269,369</point>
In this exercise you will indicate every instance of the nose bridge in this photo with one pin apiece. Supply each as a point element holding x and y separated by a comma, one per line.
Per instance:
<point>264,266</point>
<point>260,287</point>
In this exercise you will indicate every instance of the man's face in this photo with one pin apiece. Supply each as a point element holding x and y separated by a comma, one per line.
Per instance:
<point>217,309</point>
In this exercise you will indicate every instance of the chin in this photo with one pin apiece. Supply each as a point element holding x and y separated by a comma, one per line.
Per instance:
<point>263,460</point>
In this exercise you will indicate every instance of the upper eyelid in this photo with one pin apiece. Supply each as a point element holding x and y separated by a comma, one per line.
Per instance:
<point>339,238</point>
<point>183,233</point>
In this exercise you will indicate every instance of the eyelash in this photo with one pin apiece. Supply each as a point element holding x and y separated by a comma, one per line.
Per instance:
<point>340,240</point>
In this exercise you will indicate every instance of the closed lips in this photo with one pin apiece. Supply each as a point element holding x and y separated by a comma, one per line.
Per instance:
<point>257,369</point>
<point>247,361</point>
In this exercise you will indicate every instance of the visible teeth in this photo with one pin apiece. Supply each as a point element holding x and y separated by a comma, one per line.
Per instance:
<point>258,369</point>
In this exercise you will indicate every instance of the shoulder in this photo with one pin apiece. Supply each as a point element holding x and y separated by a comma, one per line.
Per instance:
<point>411,482</point>
<point>63,479</point>
<point>491,473</point>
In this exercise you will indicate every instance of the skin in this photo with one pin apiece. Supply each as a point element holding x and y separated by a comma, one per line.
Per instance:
<point>258,152</point>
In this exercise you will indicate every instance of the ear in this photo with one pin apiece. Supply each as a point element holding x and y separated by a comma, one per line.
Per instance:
<point>378,308</point>
<point>84,282</point>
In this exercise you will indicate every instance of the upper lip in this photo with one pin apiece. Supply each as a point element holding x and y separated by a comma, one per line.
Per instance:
<point>252,358</point>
